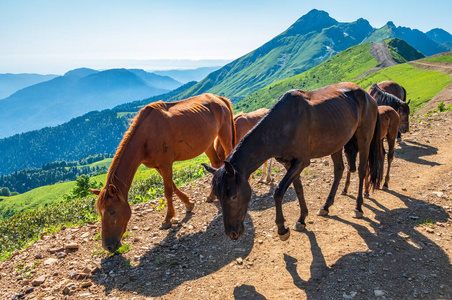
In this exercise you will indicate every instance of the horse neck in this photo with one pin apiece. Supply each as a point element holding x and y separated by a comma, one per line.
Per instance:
<point>259,145</point>
<point>125,164</point>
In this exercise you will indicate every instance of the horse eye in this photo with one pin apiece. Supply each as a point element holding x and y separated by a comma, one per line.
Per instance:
<point>112,212</point>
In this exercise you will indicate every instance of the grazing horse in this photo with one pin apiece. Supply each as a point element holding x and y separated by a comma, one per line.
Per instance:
<point>161,134</point>
<point>300,126</point>
<point>244,122</point>
<point>402,108</point>
<point>389,126</point>
<point>393,88</point>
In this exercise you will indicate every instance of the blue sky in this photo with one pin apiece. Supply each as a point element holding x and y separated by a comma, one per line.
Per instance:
<point>54,36</point>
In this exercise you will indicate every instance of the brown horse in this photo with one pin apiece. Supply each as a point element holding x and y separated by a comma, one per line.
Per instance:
<point>389,126</point>
<point>387,93</point>
<point>393,88</point>
<point>244,122</point>
<point>300,126</point>
<point>161,134</point>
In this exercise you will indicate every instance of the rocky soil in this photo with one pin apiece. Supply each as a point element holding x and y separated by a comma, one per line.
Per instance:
<point>401,249</point>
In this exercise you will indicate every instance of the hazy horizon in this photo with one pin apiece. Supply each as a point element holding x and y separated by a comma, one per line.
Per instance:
<point>53,37</point>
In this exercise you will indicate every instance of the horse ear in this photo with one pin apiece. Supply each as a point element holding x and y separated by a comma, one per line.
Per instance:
<point>408,101</point>
<point>229,168</point>
<point>112,190</point>
<point>95,192</point>
<point>209,168</point>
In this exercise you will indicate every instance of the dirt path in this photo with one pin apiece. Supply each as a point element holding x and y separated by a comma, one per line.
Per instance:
<point>401,249</point>
<point>381,54</point>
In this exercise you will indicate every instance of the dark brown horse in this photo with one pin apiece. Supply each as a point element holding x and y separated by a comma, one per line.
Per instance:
<point>389,126</point>
<point>393,88</point>
<point>161,134</point>
<point>244,122</point>
<point>389,99</point>
<point>300,126</point>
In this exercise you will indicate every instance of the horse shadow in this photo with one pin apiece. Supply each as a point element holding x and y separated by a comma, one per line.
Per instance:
<point>176,259</point>
<point>416,151</point>
<point>245,292</point>
<point>411,263</point>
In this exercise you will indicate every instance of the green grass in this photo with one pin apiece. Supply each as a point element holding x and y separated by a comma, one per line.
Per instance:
<point>39,197</point>
<point>421,85</point>
<point>342,67</point>
<point>445,58</point>
<point>23,228</point>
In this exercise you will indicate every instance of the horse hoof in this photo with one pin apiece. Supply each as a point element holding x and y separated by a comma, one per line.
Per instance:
<point>189,207</point>
<point>285,236</point>
<point>385,186</point>
<point>344,192</point>
<point>358,214</point>
<point>209,200</point>
<point>165,225</point>
<point>366,195</point>
<point>322,212</point>
<point>299,226</point>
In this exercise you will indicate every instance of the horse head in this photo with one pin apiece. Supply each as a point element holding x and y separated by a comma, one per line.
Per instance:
<point>404,114</point>
<point>234,193</point>
<point>115,213</point>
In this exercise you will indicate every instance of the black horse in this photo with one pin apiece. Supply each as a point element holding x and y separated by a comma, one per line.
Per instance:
<point>300,126</point>
<point>401,107</point>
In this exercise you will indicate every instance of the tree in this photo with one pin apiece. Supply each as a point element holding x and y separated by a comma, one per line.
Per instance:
<point>5,192</point>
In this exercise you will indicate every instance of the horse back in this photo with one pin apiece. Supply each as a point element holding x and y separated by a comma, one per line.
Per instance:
<point>393,88</point>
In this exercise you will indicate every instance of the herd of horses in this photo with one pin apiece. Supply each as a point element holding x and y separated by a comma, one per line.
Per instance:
<point>300,126</point>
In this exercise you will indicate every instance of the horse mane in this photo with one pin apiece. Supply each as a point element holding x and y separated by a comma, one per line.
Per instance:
<point>384,98</point>
<point>112,178</point>
<point>234,132</point>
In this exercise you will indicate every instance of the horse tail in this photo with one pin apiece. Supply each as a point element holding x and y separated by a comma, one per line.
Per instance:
<point>376,157</point>
<point>231,115</point>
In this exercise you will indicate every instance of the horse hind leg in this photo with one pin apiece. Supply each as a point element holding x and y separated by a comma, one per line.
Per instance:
<point>338,171</point>
<point>189,205</point>
<point>391,144</point>
<point>214,162</point>
<point>351,151</point>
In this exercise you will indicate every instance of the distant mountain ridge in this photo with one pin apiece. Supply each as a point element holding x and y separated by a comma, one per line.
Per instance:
<point>416,38</point>
<point>312,39</point>
<point>188,75</point>
<point>79,91</point>
<point>11,83</point>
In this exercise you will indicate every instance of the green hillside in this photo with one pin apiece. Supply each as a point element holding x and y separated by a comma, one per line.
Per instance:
<point>313,38</point>
<point>51,194</point>
<point>342,67</point>
<point>421,85</point>
<point>401,51</point>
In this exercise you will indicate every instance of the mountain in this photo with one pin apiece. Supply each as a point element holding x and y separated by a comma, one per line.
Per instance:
<point>11,83</point>
<point>77,92</point>
<point>188,75</point>
<point>344,66</point>
<point>416,38</point>
<point>312,39</point>
<point>441,36</point>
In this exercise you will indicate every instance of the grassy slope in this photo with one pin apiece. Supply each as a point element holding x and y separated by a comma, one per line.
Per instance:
<point>342,67</point>
<point>446,58</point>
<point>46,195</point>
<point>421,85</point>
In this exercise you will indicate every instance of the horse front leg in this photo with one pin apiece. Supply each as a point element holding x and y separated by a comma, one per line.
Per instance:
<point>293,171</point>
<point>347,183</point>
<point>167,175</point>
<point>300,225</point>
<point>214,162</point>
<point>338,170</point>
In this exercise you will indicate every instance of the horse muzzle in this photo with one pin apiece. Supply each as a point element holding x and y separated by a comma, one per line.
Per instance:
<point>112,245</point>
<point>235,232</point>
